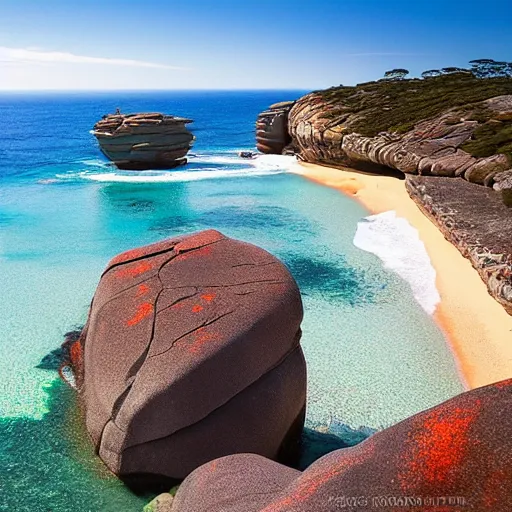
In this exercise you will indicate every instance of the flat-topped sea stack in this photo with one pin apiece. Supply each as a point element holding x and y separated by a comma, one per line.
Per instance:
<point>144,141</point>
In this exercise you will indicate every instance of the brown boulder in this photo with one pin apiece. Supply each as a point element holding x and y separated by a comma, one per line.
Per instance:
<point>191,352</point>
<point>456,456</point>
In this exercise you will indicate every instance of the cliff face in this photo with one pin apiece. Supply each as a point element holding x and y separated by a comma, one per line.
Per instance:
<point>447,126</point>
<point>272,128</point>
<point>476,221</point>
<point>453,132</point>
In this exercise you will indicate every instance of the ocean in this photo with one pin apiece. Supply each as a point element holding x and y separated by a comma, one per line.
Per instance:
<point>374,353</point>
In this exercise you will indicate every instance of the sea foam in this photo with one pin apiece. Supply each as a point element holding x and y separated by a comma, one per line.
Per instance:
<point>400,248</point>
<point>200,167</point>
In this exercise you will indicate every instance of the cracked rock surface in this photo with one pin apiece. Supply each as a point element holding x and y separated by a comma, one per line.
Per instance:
<point>191,352</point>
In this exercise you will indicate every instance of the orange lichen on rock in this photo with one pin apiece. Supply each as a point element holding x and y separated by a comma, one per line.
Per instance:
<point>201,336</point>
<point>438,444</point>
<point>202,251</point>
<point>133,254</point>
<point>134,270</point>
<point>142,289</point>
<point>208,297</point>
<point>196,308</point>
<point>144,310</point>
<point>76,353</point>
<point>309,485</point>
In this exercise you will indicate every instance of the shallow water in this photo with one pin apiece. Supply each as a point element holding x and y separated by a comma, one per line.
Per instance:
<point>374,355</point>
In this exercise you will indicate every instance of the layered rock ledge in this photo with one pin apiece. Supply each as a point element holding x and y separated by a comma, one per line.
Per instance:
<point>272,129</point>
<point>476,221</point>
<point>144,141</point>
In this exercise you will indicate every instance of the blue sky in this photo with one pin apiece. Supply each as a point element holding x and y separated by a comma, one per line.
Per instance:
<point>226,44</point>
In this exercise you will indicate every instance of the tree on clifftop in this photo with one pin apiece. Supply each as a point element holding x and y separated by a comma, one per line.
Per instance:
<point>396,74</point>
<point>489,68</point>
<point>431,73</point>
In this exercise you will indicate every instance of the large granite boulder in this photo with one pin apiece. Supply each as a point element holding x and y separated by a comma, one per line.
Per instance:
<point>272,135</point>
<point>456,456</point>
<point>191,352</point>
<point>145,140</point>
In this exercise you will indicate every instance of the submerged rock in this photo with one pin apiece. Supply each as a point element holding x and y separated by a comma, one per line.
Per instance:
<point>144,141</point>
<point>191,352</point>
<point>455,456</point>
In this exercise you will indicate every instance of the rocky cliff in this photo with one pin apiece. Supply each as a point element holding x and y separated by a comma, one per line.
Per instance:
<point>453,131</point>
<point>444,126</point>
<point>144,141</point>
<point>272,128</point>
<point>476,221</point>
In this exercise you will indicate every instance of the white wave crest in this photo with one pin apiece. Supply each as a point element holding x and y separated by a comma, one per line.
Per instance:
<point>227,165</point>
<point>399,246</point>
<point>167,176</point>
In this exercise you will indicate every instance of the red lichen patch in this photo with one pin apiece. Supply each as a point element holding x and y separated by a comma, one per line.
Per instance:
<point>196,308</point>
<point>503,384</point>
<point>202,251</point>
<point>76,353</point>
<point>208,297</point>
<point>128,256</point>
<point>312,480</point>
<point>142,289</point>
<point>201,336</point>
<point>438,444</point>
<point>134,270</point>
<point>144,310</point>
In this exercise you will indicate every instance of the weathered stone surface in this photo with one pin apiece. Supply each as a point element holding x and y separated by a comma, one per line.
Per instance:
<point>272,135</point>
<point>502,106</point>
<point>191,352</point>
<point>144,141</point>
<point>323,131</point>
<point>456,456</point>
<point>476,221</point>
<point>502,182</point>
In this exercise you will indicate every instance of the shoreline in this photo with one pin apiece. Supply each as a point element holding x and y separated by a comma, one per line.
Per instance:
<point>477,328</point>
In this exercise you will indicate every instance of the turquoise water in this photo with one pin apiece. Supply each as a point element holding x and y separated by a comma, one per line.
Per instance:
<point>374,356</point>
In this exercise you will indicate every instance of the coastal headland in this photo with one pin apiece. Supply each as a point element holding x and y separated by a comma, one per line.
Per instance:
<point>438,152</point>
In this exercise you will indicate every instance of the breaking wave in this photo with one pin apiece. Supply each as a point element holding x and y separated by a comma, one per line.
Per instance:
<point>399,246</point>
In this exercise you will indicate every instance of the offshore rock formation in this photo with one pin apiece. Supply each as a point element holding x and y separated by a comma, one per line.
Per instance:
<point>191,352</point>
<point>476,221</point>
<point>144,141</point>
<point>272,129</point>
<point>456,456</point>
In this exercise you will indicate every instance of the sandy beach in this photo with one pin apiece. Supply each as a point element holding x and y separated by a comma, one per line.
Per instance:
<point>478,329</point>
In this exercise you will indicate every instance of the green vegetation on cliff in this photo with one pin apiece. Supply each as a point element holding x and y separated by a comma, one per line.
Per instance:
<point>397,105</point>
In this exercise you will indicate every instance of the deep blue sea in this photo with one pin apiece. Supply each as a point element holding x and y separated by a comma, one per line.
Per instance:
<point>374,354</point>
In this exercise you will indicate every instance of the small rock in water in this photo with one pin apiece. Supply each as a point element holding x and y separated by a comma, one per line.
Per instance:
<point>246,154</point>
